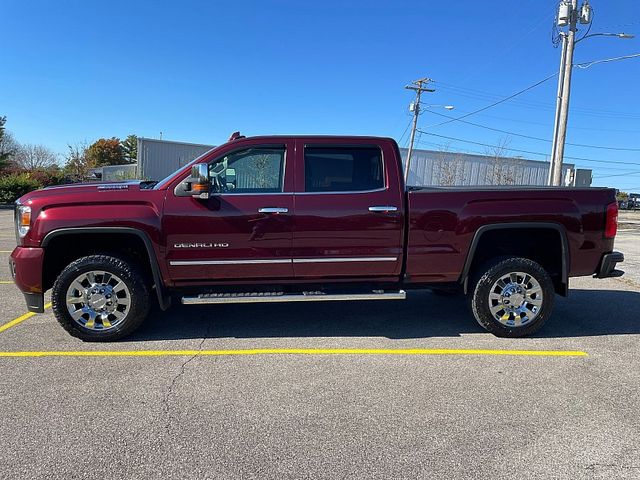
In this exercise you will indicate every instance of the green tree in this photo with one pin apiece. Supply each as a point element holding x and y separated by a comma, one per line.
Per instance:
<point>7,145</point>
<point>105,151</point>
<point>622,196</point>
<point>130,148</point>
<point>76,164</point>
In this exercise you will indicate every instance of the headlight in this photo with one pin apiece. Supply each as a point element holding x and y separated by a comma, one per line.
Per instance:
<point>23,220</point>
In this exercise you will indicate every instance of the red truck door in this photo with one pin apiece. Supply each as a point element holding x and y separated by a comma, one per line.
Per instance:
<point>245,231</point>
<point>349,209</point>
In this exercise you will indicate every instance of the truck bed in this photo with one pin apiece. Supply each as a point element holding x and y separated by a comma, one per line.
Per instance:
<point>443,222</point>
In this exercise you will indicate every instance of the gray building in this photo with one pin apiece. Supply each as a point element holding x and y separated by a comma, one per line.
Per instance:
<point>444,168</point>
<point>158,158</point>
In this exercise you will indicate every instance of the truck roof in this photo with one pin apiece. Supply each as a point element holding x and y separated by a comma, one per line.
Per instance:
<point>298,136</point>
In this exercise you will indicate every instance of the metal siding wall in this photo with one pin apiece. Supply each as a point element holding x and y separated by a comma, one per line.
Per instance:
<point>159,158</point>
<point>427,168</point>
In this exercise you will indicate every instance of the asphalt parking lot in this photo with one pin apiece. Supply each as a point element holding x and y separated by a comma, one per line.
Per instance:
<point>364,415</point>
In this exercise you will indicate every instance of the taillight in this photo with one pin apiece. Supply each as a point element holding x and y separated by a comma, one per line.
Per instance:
<point>611,225</point>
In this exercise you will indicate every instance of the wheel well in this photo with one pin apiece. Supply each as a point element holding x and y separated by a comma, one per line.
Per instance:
<point>542,245</point>
<point>61,250</point>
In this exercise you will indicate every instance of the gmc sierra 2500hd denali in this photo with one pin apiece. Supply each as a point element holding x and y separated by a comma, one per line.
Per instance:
<point>303,218</point>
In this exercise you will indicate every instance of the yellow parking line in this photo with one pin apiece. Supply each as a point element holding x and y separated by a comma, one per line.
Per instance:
<point>6,251</point>
<point>293,351</point>
<point>5,282</point>
<point>20,319</point>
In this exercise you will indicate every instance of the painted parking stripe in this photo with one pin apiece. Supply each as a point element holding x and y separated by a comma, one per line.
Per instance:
<point>293,351</point>
<point>6,282</point>
<point>20,319</point>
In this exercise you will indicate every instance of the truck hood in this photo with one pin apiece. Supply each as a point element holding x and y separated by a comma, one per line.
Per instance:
<point>131,204</point>
<point>58,192</point>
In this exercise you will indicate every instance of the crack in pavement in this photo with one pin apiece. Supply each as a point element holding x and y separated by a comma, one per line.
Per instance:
<point>170,391</point>
<point>593,466</point>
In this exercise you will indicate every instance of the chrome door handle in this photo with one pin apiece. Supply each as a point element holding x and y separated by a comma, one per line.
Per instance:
<point>273,210</point>
<point>383,208</point>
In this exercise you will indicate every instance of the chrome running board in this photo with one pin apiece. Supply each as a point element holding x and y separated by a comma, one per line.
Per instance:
<point>264,297</point>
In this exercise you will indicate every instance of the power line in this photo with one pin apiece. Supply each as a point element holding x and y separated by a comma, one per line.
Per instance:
<point>528,122</point>
<point>611,27</point>
<point>482,95</point>
<point>525,151</point>
<point>603,167</point>
<point>405,130</point>
<point>499,101</point>
<point>601,147</point>
<point>617,175</point>
<point>472,72</point>
<point>606,60</point>
<point>439,146</point>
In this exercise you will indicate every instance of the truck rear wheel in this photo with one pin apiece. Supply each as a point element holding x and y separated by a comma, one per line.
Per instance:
<point>512,297</point>
<point>100,298</point>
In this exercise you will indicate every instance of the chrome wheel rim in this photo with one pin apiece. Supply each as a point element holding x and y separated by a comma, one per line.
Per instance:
<point>515,299</point>
<point>98,300</point>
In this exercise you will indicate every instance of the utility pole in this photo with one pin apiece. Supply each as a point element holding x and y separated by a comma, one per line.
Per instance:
<point>568,15</point>
<point>556,121</point>
<point>418,86</point>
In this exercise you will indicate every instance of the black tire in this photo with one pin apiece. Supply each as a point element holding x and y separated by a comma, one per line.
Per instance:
<point>486,278</point>
<point>128,272</point>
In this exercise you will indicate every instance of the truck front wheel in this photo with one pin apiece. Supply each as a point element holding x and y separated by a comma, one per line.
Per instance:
<point>512,297</point>
<point>100,298</point>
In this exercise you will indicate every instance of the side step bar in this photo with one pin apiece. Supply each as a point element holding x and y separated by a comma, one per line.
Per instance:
<point>263,297</point>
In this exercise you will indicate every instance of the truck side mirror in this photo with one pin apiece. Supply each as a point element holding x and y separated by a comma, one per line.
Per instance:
<point>200,183</point>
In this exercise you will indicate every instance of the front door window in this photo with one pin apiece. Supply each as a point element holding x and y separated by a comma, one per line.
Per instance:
<point>253,170</point>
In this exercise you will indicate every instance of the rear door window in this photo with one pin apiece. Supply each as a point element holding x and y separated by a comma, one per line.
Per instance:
<point>343,168</point>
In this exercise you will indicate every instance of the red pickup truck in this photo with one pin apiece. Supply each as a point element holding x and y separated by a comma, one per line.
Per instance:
<point>304,218</point>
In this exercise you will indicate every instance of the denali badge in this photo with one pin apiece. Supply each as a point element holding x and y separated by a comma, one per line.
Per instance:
<point>201,245</point>
<point>117,186</point>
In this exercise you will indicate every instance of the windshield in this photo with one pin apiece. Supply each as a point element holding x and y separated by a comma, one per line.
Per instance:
<point>164,182</point>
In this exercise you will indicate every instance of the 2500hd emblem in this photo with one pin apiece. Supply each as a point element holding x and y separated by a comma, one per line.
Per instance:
<point>201,245</point>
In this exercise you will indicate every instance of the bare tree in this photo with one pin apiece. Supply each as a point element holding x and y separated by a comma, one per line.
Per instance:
<point>503,170</point>
<point>450,167</point>
<point>32,157</point>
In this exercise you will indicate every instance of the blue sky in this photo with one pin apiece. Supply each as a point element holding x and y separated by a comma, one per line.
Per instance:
<point>78,70</point>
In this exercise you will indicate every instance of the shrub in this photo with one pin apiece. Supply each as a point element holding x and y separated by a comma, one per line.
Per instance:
<point>48,177</point>
<point>13,186</point>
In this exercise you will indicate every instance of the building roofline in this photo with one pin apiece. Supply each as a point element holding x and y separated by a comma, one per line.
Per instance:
<point>157,140</point>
